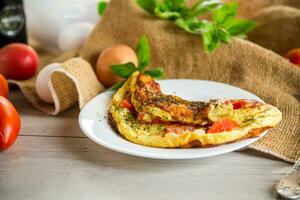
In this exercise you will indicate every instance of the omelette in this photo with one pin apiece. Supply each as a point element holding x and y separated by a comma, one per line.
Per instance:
<point>143,114</point>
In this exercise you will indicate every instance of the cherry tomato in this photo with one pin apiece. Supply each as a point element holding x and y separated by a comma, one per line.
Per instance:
<point>3,86</point>
<point>223,125</point>
<point>9,123</point>
<point>294,56</point>
<point>127,105</point>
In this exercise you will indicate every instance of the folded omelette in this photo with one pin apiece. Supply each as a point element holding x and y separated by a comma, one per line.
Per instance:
<point>144,115</point>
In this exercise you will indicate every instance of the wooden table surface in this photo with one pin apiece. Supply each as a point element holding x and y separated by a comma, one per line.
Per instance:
<point>52,159</point>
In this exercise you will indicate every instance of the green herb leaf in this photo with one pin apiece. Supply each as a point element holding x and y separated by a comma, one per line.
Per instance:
<point>204,6</point>
<point>223,35</point>
<point>171,9</point>
<point>156,72</point>
<point>186,25</point>
<point>162,11</point>
<point>225,14</point>
<point>143,53</point>
<point>176,4</point>
<point>147,5</point>
<point>123,70</point>
<point>212,35</point>
<point>192,25</point>
<point>210,39</point>
<point>116,86</point>
<point>240,27</point>
<point>220,29</point>
<point>102,7</point>
<point>126,70</point>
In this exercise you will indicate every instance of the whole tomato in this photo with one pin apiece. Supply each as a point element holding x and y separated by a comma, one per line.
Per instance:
<point>10,123</point>
<point>18,61</point>
<point>294,56</point>
<point>3,86</point>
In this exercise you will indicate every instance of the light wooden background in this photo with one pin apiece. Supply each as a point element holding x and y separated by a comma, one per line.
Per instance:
<point>52,159</point>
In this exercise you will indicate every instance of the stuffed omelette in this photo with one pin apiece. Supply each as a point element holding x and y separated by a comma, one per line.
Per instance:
<point>144,115</point>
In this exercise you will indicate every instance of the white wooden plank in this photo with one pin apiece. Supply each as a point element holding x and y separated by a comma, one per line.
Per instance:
<point>35,122</point>
<point>39,168</point>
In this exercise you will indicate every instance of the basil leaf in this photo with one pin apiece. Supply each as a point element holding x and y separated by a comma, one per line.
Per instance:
<point>147,5</point>
<point>221,29</point>
<point>223,35</point>
<point>102,7</point>
<point>210,43</point>
<point>116,86</point>
<point>123,70</point>
<point>210,39</point>
<point>225,14</point>
<point>204,6</point>
<point>176,4</point>
<point>162,11</point>
<point>186,25</point>
<point>240,27</point>
<point>192,25</point>
<point>143,53</point>
<point>157,72</point>
<point>211,35</point>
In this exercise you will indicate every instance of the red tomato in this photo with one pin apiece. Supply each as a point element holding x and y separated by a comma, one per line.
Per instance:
<point>237,104</point>
<point>18,61</point>
<point>9,123</point>
<point>3,86</point>
<point>223,125</point>
<point>127,105</point>
<point>294,56</point>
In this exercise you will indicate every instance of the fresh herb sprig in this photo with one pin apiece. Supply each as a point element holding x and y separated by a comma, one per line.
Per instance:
<point>221,29</point>
<point>102,5</point>
<point>144,59</point>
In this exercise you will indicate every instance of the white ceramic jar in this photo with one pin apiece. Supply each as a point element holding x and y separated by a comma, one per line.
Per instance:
<point>46,19</point>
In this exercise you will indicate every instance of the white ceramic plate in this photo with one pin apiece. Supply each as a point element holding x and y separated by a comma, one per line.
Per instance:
<point>95,124</point>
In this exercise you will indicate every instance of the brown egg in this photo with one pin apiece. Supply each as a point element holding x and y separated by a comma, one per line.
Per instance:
<point>119,54</point>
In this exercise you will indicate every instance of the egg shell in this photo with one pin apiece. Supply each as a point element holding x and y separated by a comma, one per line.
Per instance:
<point>72,37</point>
<point>41,83</point>
<point>115,55</point>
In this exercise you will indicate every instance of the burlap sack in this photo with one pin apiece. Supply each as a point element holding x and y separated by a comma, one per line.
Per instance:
<point>278,28</point>
<point>249,9</point>
<point>68,84</point>
<point>240,63</point>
